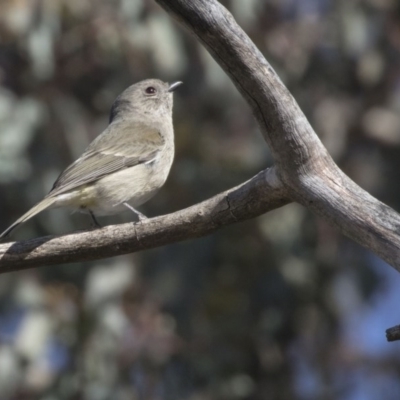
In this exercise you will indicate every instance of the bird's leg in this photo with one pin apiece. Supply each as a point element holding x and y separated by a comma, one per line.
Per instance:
<point>95,222</point>
<point>138,213</point>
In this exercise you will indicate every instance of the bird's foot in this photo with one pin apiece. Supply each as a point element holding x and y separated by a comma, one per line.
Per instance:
<point>141,217</point>
<point>95,223</point>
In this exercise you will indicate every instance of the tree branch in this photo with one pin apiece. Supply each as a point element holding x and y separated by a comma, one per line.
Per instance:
<point>262,193</point>
<point>304,165</point>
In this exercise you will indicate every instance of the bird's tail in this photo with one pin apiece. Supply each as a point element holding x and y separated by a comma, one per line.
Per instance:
<point>45,203</point>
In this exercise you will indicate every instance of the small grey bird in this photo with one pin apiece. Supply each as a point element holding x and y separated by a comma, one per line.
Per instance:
<point>126,164</point>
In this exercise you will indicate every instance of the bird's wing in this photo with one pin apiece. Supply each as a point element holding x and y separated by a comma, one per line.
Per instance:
<point>121,146</point>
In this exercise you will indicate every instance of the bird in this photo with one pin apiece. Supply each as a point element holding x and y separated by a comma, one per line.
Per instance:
<point>126,164</point>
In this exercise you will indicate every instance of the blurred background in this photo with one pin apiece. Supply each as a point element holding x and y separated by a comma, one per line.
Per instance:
<point>280,307</point>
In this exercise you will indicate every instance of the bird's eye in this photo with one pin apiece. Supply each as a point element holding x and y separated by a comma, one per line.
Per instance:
<point>150,90</point>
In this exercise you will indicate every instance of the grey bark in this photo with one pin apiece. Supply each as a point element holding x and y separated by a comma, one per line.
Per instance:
<point>302,162</point>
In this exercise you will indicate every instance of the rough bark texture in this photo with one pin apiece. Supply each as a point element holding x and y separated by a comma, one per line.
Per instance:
<point>304,171</point>
<point>303,164</point>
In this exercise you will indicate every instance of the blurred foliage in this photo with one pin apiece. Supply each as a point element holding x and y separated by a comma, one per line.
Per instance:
<point>282,307</point>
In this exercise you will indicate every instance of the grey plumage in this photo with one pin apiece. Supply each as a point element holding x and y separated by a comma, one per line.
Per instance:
<point>126,164</point>
<point>124,144</point>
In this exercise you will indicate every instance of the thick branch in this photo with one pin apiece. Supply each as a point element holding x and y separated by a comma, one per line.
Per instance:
<point>302,162</point>
<point>262,193</point>
<point>290,137</point>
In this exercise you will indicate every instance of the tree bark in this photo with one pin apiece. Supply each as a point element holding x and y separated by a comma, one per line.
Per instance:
<point>302,162</point>
<point>303,171</point>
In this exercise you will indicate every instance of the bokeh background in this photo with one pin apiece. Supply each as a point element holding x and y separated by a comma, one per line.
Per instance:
<point>280,307</point>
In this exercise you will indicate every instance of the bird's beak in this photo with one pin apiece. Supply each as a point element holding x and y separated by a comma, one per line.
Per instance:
<point>174,85</point>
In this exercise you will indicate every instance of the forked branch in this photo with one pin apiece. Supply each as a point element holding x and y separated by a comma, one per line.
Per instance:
<point>302,162</point>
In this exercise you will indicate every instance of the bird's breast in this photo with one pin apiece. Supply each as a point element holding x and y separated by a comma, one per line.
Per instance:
<point>134,185</point>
